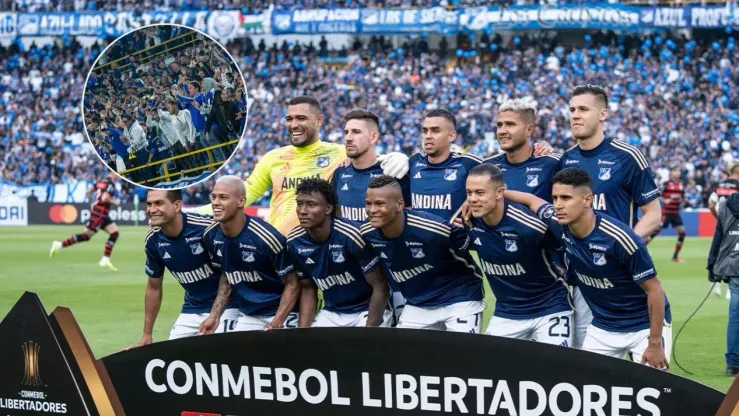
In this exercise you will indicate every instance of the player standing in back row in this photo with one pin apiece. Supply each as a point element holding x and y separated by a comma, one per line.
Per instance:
<point>361,133</point>
<point>104,192</point>
<point>307,156</point>
<point>621,177</point>
<point>523,170</point>
<point>672,197</point>
<point>438,175</point>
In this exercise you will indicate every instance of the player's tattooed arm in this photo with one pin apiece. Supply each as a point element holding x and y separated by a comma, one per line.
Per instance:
<point>650,220</point>
<point>654,354</point>
<point>307,305</point>
<point>531,201</point>
<point>210,324</point>
<point>379,298</point>
<point>287,301</point>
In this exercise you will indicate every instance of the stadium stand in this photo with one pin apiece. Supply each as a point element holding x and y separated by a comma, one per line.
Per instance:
<point>675,98</point>
<point>247,7</point>
<point>146,78</point>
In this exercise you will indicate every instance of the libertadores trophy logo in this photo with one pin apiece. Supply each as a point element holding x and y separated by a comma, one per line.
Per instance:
<point>32,374</point>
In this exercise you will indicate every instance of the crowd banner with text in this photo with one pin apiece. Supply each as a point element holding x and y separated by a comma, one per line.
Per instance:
<point>229,24</point>
<point>48,366</point>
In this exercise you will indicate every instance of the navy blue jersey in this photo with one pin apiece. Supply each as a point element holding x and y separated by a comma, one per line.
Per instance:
<point>429,263</point>
<point>531,176</point>
<point>621,176</point>
<point>255,262</point>
<point>337,265</point>
<point>188,262</point>
<point>351,186</point>
<point>608,266</point>
<point>439,189</point>
<point>515,257</point>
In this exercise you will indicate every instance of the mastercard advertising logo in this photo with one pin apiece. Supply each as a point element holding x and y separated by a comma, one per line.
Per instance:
<point>63,214</point>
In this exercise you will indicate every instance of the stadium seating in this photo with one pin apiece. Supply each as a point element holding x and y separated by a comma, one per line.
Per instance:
<point>675,98</point>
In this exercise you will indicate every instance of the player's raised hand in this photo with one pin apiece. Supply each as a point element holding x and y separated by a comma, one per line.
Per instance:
<point>208,326</point>
<point>145,340</point>
<point>542,148</point>
<point>654,356</point>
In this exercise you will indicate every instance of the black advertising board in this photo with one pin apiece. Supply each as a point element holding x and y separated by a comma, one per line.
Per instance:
<point>327,371</point>
<point>43,213</point>
<point>380,371</point>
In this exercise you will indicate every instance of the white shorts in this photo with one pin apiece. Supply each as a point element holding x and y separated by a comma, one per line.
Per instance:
<point>555,329</point>
<point>335,319</point>
<point>620,344</point>
<point>258,323</point>
<point>458,317</point>
<point>188,324</point>
<point>582,318</point>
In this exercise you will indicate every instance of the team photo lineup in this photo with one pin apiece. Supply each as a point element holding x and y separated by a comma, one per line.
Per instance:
<point>205,171</point>
<point>563,249</point>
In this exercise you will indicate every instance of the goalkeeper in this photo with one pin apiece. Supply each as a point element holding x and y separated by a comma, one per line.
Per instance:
<point>306,157</point>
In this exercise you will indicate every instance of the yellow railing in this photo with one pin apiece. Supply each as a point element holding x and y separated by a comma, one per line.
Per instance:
<point>162,44</point>
<point>167,175</point>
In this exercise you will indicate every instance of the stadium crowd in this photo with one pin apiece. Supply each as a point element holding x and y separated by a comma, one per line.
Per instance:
<point>674,98</point>
<point>255,6</point>
<point>161,92</point>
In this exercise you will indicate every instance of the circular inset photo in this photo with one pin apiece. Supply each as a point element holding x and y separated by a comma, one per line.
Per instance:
<point>164,106</point>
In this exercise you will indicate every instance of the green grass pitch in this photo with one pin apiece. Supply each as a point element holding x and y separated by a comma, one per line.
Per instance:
<point>109,306</point>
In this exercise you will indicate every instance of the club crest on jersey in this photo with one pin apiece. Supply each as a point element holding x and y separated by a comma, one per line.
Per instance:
<point>196,248</point>
<point>533,180</point>
<point>417,253</point>
<point>599,259</point>
<point>248,256</point>
<point>337,256</point>
<point>605,174</point>
<point>450,174</point>
<point>322,161</point>
<point>511,246</point>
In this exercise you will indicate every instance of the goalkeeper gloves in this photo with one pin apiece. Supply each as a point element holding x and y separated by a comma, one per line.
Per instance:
<point>394,164</point>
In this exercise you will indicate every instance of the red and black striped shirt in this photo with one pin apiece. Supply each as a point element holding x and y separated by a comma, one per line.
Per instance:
<point>673,194</point>
<point>726,188</point>
<point>103,187</point>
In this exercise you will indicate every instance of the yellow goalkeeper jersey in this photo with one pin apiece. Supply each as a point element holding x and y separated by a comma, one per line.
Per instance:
<point>283,169</point>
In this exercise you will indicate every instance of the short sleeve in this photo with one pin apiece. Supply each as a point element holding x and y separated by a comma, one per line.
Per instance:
<point>293,256</point>
<point>547,214</point>
<point>154,266</point>
<point>643,188</point>
<point>365,256</point>
<point>283,263</point>
<point>633,254</point>
<point>208,246</point>
<point>459,238</point>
